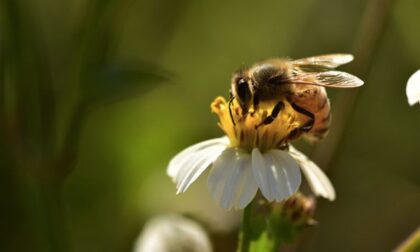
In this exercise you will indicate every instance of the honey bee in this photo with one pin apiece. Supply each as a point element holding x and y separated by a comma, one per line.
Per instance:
<point>300,82</point>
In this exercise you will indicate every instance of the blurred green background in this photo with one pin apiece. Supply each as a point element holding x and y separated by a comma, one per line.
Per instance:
<point>116,88</point>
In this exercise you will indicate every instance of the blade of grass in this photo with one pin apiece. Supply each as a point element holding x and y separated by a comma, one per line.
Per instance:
<point>371,33</point>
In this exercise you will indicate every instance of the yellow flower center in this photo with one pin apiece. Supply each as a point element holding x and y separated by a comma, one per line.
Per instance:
<point>248,132</point>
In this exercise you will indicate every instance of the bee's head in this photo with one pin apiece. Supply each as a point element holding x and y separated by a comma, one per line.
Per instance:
<point>267,73</point>
<point>241,89</point>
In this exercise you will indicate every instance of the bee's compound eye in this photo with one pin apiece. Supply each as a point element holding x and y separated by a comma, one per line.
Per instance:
<point>242,89</point>
<point>241,81</point>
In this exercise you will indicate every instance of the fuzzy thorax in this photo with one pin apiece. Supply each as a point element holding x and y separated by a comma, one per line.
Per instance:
<point>248,132</point>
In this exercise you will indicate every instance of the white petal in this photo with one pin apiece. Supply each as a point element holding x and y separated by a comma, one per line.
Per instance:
<point>231,182</point>
<point>317,180</point>
<point>176,163</point>
<point>260,174</point>
<point>413,88</point>
<point>289,171</point>
<point>197,164</point>
<point>189,164</point>
<point>276,173</point>
<point>248,187</point>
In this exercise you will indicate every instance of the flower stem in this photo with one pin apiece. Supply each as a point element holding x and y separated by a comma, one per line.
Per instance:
<point>245,235</point>
<point>55,221</point>
<point>371,34</point>
<point>412,243</point>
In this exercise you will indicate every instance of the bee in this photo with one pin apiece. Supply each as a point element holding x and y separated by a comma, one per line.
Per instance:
<point>300,82</point>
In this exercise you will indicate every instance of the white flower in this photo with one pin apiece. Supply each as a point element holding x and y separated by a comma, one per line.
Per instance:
<point>172,233</point>
<point>236,174</point>
<point>250,157</point>
<point>413,89</point>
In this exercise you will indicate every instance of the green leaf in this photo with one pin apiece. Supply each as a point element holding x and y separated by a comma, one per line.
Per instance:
<point>255,236</point>
<point>266,226</point>
<point>281,227</point>
<point>263,243</point>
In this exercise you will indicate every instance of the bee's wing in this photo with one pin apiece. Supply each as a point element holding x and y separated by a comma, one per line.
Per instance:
<point>327,61</point>
<point>327,79</point>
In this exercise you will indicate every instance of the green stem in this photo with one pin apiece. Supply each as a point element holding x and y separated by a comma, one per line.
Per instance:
<point>412,243</point>
<point>371,34</point>
<point>244,237</point>
<point>55,220</point>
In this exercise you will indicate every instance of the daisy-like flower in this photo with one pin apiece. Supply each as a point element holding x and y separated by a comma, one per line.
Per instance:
<point>413,89</point>
<point>250,157</point>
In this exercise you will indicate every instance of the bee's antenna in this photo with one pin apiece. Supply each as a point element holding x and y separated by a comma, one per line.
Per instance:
<point>230,108</point>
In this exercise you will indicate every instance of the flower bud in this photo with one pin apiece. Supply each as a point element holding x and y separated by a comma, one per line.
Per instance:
<point>288,218</point>
<point>299,210</point>
<point>172,233</point>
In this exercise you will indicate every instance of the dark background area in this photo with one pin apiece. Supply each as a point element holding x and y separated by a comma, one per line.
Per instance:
<point>146,72</point>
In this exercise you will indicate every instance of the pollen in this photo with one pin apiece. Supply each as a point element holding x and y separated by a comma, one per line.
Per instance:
<point>246,130</point>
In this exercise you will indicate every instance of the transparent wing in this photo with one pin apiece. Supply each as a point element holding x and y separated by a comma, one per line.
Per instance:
<point>327,79</point>
<point>324,61</point>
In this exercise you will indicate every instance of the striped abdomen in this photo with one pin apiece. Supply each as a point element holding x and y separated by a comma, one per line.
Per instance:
<point>315,100</point>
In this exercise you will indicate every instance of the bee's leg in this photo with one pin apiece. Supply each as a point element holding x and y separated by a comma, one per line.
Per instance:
<point>294,134</point>
<point>274,113</point>
<point>308,126</point>
<point>231,97</point>
<point>255,101</point>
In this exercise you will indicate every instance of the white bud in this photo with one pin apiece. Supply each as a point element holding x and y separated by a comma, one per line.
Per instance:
<point>172,233</point>
<point>413,88</point>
